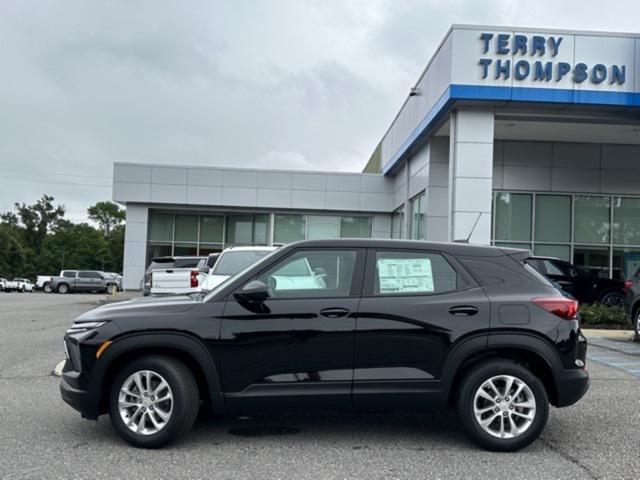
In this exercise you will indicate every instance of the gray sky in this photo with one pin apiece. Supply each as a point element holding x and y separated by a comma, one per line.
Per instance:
<point>280,84</point>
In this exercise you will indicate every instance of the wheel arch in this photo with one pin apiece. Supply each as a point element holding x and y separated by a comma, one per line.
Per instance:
<point>184,347</point>
<point>527,349</point>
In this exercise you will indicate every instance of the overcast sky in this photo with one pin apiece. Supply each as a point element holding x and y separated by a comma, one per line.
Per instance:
<point>281,84</point>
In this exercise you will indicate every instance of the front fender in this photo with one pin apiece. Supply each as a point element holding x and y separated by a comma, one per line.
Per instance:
<point>182,342</point>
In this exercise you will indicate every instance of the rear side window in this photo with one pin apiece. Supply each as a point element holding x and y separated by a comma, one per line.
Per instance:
<point>68,274</point>
<point>399,273</point>
<point>157,264</point>
<point>186,262</point>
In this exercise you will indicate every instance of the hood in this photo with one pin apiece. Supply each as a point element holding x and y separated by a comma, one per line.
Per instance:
<point>140,306</point>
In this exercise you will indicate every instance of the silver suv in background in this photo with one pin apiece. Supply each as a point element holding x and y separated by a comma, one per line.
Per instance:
<point>84,281</point>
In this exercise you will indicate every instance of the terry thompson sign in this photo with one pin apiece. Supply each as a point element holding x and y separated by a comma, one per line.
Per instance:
<point>532,57</point>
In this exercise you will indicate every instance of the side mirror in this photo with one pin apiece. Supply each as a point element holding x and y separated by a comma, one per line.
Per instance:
<point>254,291</point>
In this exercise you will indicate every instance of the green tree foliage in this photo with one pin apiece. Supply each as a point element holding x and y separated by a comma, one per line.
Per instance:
<point>37,240</point>
<point>107,215</point>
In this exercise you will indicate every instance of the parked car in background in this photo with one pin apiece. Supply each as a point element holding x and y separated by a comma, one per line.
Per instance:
<point>172,279</point>
<point>582,285</point>
<point>167,263</point>
<point>19,285</point>
<point>3,284</point>
<point>231,261</point>
<point>395,325</point>
<point>43,282</point>
<point>83,281</point>
<point>632,301</point>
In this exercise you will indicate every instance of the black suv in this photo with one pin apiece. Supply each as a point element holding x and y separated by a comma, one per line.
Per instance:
<point>582,285</point>
<point>340,325</point>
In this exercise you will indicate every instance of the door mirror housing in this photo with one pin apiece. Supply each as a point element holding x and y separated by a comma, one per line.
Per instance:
<point>254,291</point>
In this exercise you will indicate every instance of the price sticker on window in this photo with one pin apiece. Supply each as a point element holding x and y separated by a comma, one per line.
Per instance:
<point>405,275</point>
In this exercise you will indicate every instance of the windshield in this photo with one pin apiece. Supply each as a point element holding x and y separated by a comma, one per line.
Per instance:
<point>232,262</point>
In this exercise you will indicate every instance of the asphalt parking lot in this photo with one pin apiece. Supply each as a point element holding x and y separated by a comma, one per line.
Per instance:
<point>41,437</point>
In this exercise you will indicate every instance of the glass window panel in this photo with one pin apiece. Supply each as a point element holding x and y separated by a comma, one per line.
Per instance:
<point>355,227</point>
<point>211,228</point>
<point>288,228</point>
<point>155,251</point>
<point>319,227</point>
<point>563,252</point>
<point>417,217</point>
<point>626,263</point>
<point>513,216</point>
<point>593,259</point>
<point>413,272</point>
<point>260,229</point>
<point>312,274</point>
<point>186,228</point>
<point>397,223</point>
<point>185,249</point>
<point>239,229</point>
<point>207,249</point>
<point>161,227</point>
<point>591,223</point>
<point>553,218</point>
<point>626,221</point>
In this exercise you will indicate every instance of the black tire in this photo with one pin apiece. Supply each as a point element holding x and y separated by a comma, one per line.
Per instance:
<point>46,288</point>
<point>63,288</point>
<point>185,401</point>
<point>613,299</point>
<point>109,289</point>
<point>471,383</point>
<point>636,323</point>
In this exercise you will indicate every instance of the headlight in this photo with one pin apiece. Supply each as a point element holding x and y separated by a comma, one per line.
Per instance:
<point>84,327</point>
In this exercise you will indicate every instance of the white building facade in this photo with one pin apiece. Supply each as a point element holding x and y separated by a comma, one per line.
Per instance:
<point>526,138</point>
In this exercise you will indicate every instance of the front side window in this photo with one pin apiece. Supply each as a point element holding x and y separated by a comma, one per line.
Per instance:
<point>413,273</point>
<point>312,273</point>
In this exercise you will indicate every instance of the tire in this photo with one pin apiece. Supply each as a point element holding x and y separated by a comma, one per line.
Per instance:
<point>636,323</point>
<point>109,289</point>
<point>46,288</point>
<point>182,409</point>
<point>613,299</point>
<point>500,372</point>
<point>63,288</point>
<point>21,290</point>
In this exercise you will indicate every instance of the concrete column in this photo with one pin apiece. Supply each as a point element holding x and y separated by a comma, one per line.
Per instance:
<point>470,175</point>
<point>135,246</point>
<point>437,190</point>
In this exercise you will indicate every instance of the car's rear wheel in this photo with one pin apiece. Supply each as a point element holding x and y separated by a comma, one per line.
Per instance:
<point>613,299</point>
<point>153,401</point>
<point>636,323</point>
<point>63,288</point>
<point>502,405</point>
<point>47,288</point>
<point>109,289</point>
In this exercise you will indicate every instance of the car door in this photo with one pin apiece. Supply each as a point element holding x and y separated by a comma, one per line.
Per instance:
<point>416,306</point>
<point>294,350</point>
<point>84,281</point>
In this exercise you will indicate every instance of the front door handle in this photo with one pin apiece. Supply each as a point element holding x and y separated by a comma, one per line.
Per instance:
<point>467,310</point>
<point>334,312</point>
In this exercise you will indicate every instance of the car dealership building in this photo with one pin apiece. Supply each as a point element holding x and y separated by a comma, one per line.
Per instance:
<point>527,138</point>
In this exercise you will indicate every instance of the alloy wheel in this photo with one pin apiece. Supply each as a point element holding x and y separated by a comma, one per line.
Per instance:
<point>145,402</point>
<point>504,406</point>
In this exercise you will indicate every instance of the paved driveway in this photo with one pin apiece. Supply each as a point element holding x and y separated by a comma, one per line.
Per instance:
<point>40,437</point>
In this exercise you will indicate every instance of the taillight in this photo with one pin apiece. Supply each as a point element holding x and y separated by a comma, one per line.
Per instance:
<point>194,278</point>
<point>562,307</point>
<point>627,285</point>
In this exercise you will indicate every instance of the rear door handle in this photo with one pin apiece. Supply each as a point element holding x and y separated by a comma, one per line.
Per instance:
<point>334,312</point>
<point>467,310</point>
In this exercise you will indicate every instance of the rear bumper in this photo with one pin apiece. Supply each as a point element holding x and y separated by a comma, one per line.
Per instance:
<point>571,386</point>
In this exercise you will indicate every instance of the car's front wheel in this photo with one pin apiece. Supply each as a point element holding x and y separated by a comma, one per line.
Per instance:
<point>63,288</point>
<point>47,288</point>
<point>502,405</point>
<point>153,401</point>
<point>613,299</point>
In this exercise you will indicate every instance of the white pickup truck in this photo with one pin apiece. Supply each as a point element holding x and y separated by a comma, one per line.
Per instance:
<point>19,285</point>
<point>231,261</point>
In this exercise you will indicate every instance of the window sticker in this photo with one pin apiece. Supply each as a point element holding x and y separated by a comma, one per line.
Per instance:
<point>402,275</point>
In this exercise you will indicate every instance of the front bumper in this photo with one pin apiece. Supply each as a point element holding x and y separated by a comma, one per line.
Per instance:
<point>571,386</point>
<point>81,400</point>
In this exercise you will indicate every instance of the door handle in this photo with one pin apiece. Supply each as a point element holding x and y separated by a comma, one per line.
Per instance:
<point>466,310</point>
<point>334,312</point>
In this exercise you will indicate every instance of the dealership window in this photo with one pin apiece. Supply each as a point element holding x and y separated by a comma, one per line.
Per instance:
<point>161,227</point>
<point>513,216</point>
<point>322,226</point>
<point>397,223</point>
<point>247,229</point>
<point>417,217</point>
<point>597,232</point>
<point>288,228</point>
<point>355,227</point>
<point>211,228</point>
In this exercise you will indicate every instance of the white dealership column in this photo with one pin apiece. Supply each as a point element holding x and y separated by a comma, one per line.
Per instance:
<point>135,247</point>
<point>470,175</point>
<point>437,190</point>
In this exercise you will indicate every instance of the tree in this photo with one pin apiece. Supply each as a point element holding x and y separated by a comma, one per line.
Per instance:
<point>36,220</point>
<point>107,215</point>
